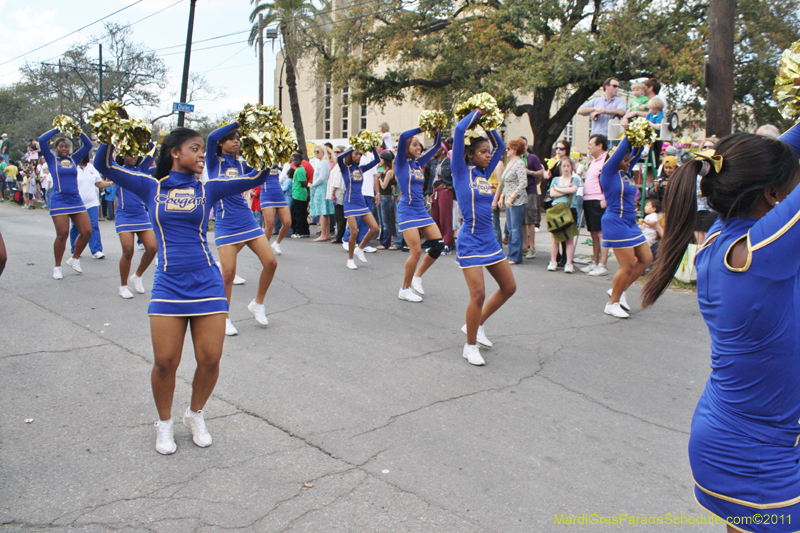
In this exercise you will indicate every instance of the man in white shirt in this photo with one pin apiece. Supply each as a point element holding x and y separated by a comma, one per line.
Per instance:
<point>89,181</point>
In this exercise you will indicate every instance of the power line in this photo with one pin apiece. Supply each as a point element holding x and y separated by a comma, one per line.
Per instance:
<point>71,33</point>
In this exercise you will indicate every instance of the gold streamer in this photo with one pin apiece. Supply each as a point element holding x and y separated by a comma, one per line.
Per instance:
<point>265,140</point>
<point>485,101</point>
<point>366,141</point>
<point>67,126</point>
<point>640,133</point>
<point>431,121</point>
<point>106,120</point>
<point>787,83</point>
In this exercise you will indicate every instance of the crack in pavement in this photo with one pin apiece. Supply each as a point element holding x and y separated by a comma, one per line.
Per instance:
<point>325,506</point>
<point>67,350</point>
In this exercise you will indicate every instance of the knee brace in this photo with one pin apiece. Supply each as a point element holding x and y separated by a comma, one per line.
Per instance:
<point>436,248</point>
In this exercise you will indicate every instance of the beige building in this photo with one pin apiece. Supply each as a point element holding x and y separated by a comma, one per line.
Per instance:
<point>333,116</point>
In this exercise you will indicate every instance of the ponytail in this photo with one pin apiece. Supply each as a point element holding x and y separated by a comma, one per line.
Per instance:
<point>175,139</point>
<point>680,215</point>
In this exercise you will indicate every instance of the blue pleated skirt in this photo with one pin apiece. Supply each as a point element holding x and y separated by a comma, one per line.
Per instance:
<point>478,249</point>
<point>620,232</point>
<point>272,195</point>
<point>66,203</point>
<point>132,219</point>
<point>189,293</point>
<point>413,215</point>
<point>241,227</point>
<point>354,204</point>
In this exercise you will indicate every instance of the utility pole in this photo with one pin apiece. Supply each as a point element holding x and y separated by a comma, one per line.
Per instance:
<point>186,57</point>
<point>100,68</point>
<point>60,89</point>
<point>260,58</point>
<point>719,68</point>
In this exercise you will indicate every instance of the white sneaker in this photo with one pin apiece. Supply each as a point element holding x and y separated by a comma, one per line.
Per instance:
<point>138,284</point>
<point>536,229</point>
<point>416,284</point>
<point>346,246</point>
<point>75,264</point>
<point>141,246</point>
<point>568,268</point>
<point>473,355</point>
<point>165,441</point>
<point>370,250</point>
<point>351,264</point>
<point>359,253</point>
<point>57,273</point>
<point>276,248</point>
<point>551,266</point>
<point>409,295</point>
<point>481,336</point>
<point>230,329</point>
<point>615,310</point>
<point>260,311</point>
<point>599,270</point>
<point>125,292</point>
<point>588,268</point>
<point>196,423</point>
<point>237,280</point>
<point>623,300</point>
<point>99,255</point>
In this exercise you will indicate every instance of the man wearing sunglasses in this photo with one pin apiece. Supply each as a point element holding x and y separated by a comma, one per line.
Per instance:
<point>603,108</point>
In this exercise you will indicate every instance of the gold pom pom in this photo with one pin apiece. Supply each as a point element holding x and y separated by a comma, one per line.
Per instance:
<point>485,101</point>
<point>787,83</point>
<point>106,120</point>
<point>366,141</point>
<point>132,137</point>
<point>67,126</point>
<point>265,140</point>
<point>431,121</point>
<point>640,133</point>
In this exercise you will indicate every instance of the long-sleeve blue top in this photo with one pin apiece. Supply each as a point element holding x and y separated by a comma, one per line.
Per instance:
<point>64,169</point>
<point>409,172</point>
<point>178,206</point>
<point>752,313</point>
<point>227,166</point>
<point>618,187</point>
<point>127,200</point>
<point>471,183</point>
<point>353,174</point>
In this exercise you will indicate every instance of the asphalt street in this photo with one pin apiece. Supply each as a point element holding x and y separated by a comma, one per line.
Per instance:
<point>352,411</point>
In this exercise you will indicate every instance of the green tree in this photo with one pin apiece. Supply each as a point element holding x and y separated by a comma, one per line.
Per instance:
<point>292,17</point>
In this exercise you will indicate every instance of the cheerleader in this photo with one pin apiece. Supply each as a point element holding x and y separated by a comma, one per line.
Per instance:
<point>188,287</point>
<point>65,202</point>
<point>411,213</point>
<point>234,224</point>
<point>132,219</point>
<point>474,159</point>
<point>620,230</point>
<point>354,205</point>
<point>743,446</point>
<point>273,203</point>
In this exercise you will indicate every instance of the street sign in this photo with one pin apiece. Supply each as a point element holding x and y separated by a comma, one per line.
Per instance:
<point>186,108</point>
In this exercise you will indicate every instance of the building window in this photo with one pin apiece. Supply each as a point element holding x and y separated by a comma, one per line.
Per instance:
<point>363,117</point>
<point>345,111</point>
<point>327,131</point>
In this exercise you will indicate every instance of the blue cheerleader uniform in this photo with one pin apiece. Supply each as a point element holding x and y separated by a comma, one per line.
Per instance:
<point>187,281</point>
<point>743,447</point>
<point>476,245</point>
<point>233,219</point>
<point>619,219</point>
<point>411,212</point>
<point>131,215</point>
<point>354,205</point>
<point>271,192</point>
<point>66,199</point>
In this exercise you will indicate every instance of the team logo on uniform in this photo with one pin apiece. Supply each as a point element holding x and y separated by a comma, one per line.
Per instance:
<point>180,200</point>
<point>274,172</point>
<point>416,174</point>
<point>232,172</point>
<point>65,163</point>
<point>482,186</point>
<point>356,176</point>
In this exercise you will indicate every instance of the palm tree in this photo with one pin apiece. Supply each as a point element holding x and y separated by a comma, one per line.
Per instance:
<point>291,17</point>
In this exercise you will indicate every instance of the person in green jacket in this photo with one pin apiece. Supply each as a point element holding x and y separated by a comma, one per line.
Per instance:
<point>299,198</point>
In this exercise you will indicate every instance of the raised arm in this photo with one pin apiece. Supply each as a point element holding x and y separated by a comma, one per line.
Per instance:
<point>401,160</point>
<point>147,161</point>
<point>224,187</point>
<point>137,182</point>
<point>78,156</point>
<point>791,137</point>
<point>212,162</point>
<point>458,163</point>
<point>497,151</point>
<point>431,151</point>
<point>44,146</point>
<point>340,160</point>
<point>636,154</point>
<point>609,174</point>
<point>372,164</point>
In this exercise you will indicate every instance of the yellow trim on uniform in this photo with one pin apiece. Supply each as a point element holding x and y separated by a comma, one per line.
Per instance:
<point>478,266</point>
<point>749,254</point>
<point>715,514</point>
<point>786,227</point>
<point>189,301</point>
<point>189,314</point>
<point>737,501</point>
<point>624,240</point>
<point>472,196</point>
<point>203,241</point>
<point>472,256</point>
<point>158,223</point>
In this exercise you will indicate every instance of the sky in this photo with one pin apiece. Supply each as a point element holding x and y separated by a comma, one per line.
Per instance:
<point>231,66</point>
